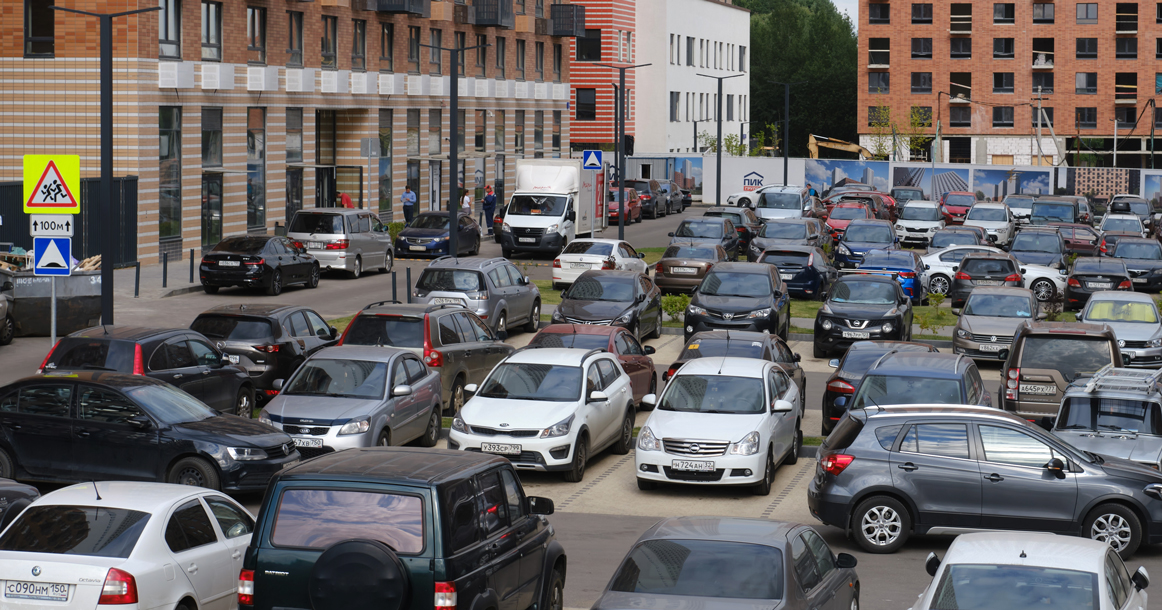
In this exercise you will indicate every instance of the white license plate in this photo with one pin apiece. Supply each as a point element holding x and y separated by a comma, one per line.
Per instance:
<point>443,300</point>
<point>685,270</point>
<point>1098,284</point>
<point>228,263</point>
<point>53,592</point>
<point>527,240</point>
<point>232,359</point>
<point>692,465</point>
<point>851,334</point>
<point>1028,388</point>
<point>315,245</point>
<point>500,448</point>
<point>307,442</point>
<point>416,248</point>
<point>1139,280</point>
<point>578,265</point>
<point>786,276</point>
<point>991,347</point>
<point>989,282</point>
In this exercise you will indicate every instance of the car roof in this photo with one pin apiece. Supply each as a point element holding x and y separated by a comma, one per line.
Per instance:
<point>722,208</point>
<point>790,188</point>
<point>1032,326</point>
<point>384,308</point>
<point>742,267</point>
<point>868,277</point>
<point>885,345</point>
<point>891,254</point>
<point>1121,295</point>
<point>726,366</point>
<point>851,203</point>
<point>1119,216</point>
<point>124,333</point>
<point>1140,240</point>
<point>1028,549</point>
<point>727,529</point>
<point>559,356</point>
<point>134,495</point>
<point>392,464</point>
<point>1047,230</point>
<point>251,309</point>
<point>869,221</point>
<point>1003,291</point>
<point>942,411</point>
<point>920,364</point>
<point>465,263</point>
<point>344,211</point>
<point>107,378</point>
<point>960,193</point>
<point>990,204</point>
<point>360,352</point>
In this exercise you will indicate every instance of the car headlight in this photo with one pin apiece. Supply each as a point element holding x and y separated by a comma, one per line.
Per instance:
<point>438,239</point>
<point>1157,271</point>
<point>623,318</point>
<point>646,441</point>
<point>963,334</point>
<point>844,250</point>
<point>557,316</point>
<point>560,428</point>
<point>264,418</point>
<point>355,426</point>
<point>759,313</point>
<point>749,445</point>
<point>826,324</point>
<point>459,425</point>
<point>888,327</point>
<point>1154,343</point>
<point>246,454</point>
<point>694,310</point>
<point>504,227</point>
<point>553,228</point>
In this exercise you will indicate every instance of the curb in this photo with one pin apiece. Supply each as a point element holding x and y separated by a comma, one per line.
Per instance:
<point>809,451</point>
<point>180,291</point>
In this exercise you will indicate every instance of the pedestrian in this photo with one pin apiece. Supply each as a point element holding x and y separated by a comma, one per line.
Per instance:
<point>811,190</point>
<point>466,202</point>
<point>408,199</point>
<point>345,201</point>
<point>489,206</point>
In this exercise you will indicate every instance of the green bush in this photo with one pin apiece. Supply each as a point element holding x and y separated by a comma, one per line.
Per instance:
<point>674,305</point>
<point>394,229</point>
<point>935,300</point>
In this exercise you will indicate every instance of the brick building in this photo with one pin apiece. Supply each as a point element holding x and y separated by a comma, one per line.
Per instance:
<point>609,38</point>
<point>981,68</point>
<point>233,114</point>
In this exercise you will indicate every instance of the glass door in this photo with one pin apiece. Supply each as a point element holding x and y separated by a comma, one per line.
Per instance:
<point>211,210</point>
<point>294,193</point>
<point>324,187</point>
<point>435,180</point>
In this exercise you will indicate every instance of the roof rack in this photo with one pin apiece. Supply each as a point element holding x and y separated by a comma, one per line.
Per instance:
<point>1110,378</point>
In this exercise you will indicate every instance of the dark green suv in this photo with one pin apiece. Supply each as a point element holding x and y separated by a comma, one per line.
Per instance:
<point>393,527</point>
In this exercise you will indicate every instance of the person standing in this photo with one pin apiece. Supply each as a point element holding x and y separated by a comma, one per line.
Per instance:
<point>489,206</point>
<point>466,202</point>
<point>408,199</point>
<point>345,201</point>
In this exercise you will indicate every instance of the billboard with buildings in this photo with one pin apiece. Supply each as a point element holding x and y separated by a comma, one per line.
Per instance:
<point>947,179</point>
<point>823,174</point>
<point>688,174</point>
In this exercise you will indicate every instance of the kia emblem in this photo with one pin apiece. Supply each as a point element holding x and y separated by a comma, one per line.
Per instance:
<point>36,570</point>
<point>503,425</point>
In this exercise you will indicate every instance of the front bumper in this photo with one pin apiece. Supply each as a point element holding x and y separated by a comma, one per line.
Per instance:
<point>1147,283</point>
<point>980,350</point>
<point>314,444</point>
<point>848,261</point>
<point>550,242</point>
<point>253,476</point>
<point>542,454</point>
<point>700,323</point>
<point>833,339</point>
<point>1142,357</point>
<point>728,469</point>
<point>404,250</point>
<point>915,237</point>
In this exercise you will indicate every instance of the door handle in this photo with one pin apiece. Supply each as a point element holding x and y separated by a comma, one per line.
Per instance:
<point>193,569</point>
<point>468,353</point>
<point>909,466</point>
<point>82,432</point>
<point>206,372</point>
<point>178,376</point>
<point>995,478</point>
<point>236,554</point>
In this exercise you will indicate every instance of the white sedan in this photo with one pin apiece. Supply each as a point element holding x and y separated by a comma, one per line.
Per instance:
<point>584,254</point>
<point>125,544</point>
<point>1045,282</point>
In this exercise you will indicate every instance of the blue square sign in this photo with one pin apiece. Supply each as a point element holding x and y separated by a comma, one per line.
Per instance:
<point>591,159</point>
<point>52,255</point>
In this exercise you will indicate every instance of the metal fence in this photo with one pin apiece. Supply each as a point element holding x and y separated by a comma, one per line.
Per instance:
<point>15,229</point>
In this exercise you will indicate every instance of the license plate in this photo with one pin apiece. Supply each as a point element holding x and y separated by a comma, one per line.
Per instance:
<point>1028,388</point>
<point>232,359</point>
<point>1098,284</point>
<point>527,240</point>
<point>989,282</point>
<point>786,276</point>
<point>1139,280</point>
<point>228,263</point>
<point>443,300</point>
<point>53,592</point>
<point>416,248</point>
<point>315,245</point>
<point>851,334</point>
<point>578,265</point>
<point>500,448</point>
<point>685,270</point>
<point>692,465</point>
<point>991,347</point>
<point>307,442</point>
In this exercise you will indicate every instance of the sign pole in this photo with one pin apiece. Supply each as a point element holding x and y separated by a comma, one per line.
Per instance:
<point>52,310</point>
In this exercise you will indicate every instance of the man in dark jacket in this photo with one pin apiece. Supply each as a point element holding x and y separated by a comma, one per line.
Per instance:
<point>489,206</point>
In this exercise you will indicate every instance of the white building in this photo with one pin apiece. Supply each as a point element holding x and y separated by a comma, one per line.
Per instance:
<point>684,38</point>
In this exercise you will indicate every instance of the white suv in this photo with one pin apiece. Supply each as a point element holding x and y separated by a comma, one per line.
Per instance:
<point>549,409</point>
<point>721,421</point>
<point>996,219</point>
<point>918,221</point>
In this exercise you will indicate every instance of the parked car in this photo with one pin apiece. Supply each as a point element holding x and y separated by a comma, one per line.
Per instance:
<point>683,265</point>
<point>618,298</point>
<point>498,220</point>
<point>985,269</point>
<point>1046,357</point>
<point>1080,239</point>
<point>16,496</point>
<point>583,254</point>
<point>1115,413</point>
<point>549,410</point>
<point>131,427</point>
<point>632,207</point>
<point>891,473</point>
<point>743,413</point>
<point>181,357</point>
<point>849,372</point>
<point>1090,275</point>
<point>904,194</point>
<point>1047,210</point>
<point>1021,206</point>
<point>805,270</point>
<point>1143,258</point>
<point>140,544</point>
<point>710,231</point>
<point>428,235</point>
<point>873,201</point>
<point>790,232</point>
<point>744,220</point>
<point>687,199</point>
<point>861,236</point>
<point>938,265</point>
<point>1138,207</point>
<point>904,265</point>
<point>425,527</point>
<point>1085,211</point>
<point>842,214</point>
<point>654,204</point>
<point>956,236</point>
<point>494,289</point>
<point>775,201</point>
<point>350,240</point>
<point>1038,246</point>
<point>1123,224</point>
<point>917,222</point>
<point>1047,283</point>
<point>634,357</point>
<point>862,307</point>
<point>268,341</point>
<point>668,190</point>
<point>954,205</point>
<point>986,325</point>
<point>267,262</point>
<point>450,339</point>
<point>1136,323</point>
<point>740,296</point>
<point>919,378</point>
<point>742,344</point>
<point>995,219</point>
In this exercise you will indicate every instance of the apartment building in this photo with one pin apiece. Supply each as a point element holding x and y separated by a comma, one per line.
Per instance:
<point>983,69</point>
<point>234,114</point>
<point>609,39</point>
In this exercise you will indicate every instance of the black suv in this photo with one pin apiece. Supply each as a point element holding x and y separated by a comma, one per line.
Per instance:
<point>740,296</point>
<point>654,202</point>
<point>398,527</point>
<point>862,307</point>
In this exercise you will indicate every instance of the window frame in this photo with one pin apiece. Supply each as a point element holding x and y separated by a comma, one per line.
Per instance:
<point>585,46</point>
<point>1085,6</point>
<point>1086,54</point>
<point>1002,123</point>
<point>294,39</point>
<point>1085,124</point>
<point>386,46</point>
<point>256,16</point>
<point>1087,90</point>
<point>359,45</point>
<point>1131,41</point>
<point>211,28</point>
<point>329,47</point>
<point>921,19</point>
<point>884,18</point>
<point>887,81</point>
<point>1010,80</point>
<point>953,53</point>
<point>920,89</point>
<point>1008,13</point>
<point>1009,43</point>
<point>922,54</point>
<point>1043,6</point>
<point>30,27</point>
<point>166,26</point>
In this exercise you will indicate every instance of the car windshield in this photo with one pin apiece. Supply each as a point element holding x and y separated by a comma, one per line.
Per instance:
<point>577,341</point>
<point>338,378</point>
<point>944,239</point>
<point>785,230</point>
<point>1072,356</point>
<point>734,284</point>
<point>538,205</point>
<point>959,200</point>
<point>694,228</point>
<point>386,330</point>
<point>780,201</point>
<point>233,328</point>
<point>317,223</point>
<point>896,390</point>
<point>1022,203</point>
<point>701,568</point>
<point>60,529</point>
<point>864,293</point>
<point>450,280</point>
<point>169,404</point>
<point>906,195</point>
<point>988,214</point>
<point>710,348</point>
<point>430,221</point>
<point>1036,242</point>
<point>1062,212</point>
<point>714,394</point>
<point>1103,413</point>
<point>734,217</point>
<point>1140,208</point>
<point>1139,249</point>
<point>1128,225</point>
<point>1004,587</point>
<point>998,306</point>
<point>1121,311</point>
<point>875,234</point>
<point>848,212</point>
<point>596,287</point>
<point>917,212</point>
<point>887,258</point>
<point>308,518</point>
<point>529,381</point>
<point>695,252</point>
<point>242,245</point>
<point>783,258</point>
<point>580,246</point>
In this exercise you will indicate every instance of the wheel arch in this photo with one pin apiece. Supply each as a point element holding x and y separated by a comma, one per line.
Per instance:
<point>187,601</point>
<point>913,512</point>
<point>555,558</point>
<point>193,453</point>
<point>1130,503</point>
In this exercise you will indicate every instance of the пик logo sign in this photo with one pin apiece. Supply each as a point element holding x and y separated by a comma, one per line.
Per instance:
<point>752,181</point>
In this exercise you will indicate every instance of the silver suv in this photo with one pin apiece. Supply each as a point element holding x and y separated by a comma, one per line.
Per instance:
<point>1117,412</point>
<point>493,289</point>
<point>343,239</point>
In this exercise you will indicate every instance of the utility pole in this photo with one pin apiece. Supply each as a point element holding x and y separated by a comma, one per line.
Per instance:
<point>718,146</point>
<point>620,110</point>
<point>1040,117</point>
<point>1115,120</point>
<point>787,122</point>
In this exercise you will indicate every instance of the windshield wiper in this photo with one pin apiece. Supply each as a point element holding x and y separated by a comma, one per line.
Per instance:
<point>1073,427</point>
<point>1115,428</point>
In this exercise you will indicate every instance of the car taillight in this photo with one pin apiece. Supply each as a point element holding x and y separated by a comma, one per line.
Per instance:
<point>246,588</point>
<point>257,262</point>
<point>1125,285</point>
<point>811,260</point>
<point>608,264</point>
<point>138,360</point>
<point>338,244</point>
<point>120,588</point>
<point>1103,245</point>
<point>908,275</point>
<point>645,197</point>
<point>1014,277</point>
<point>47,356</point>
<point>740,229</point>
<point>960,275</point>
<point>1074,283</point>
<point>835,463</point>
<point>432,357</point>
<point>269,349</point>
<point>1012,380</point>
<point>299,245</point>
<point>271,392</point>
<point>840,386</point>
<point>658,268</point>
<point>556,263</point>
<point>445,595</point>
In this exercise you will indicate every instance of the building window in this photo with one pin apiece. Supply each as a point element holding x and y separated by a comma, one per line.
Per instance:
<point>960,116</point>
<point>921,13</point>
<point>1042,52</point>
<point>498,128</point>
<point>1126,17</point>
<point>1157,83</point>
<point>921,48</point>
<point>1087,12</point>
<point>1002,82</point>
<point>518,132</point>
<point>1087,48</point>
<point>1004,13</point>
<point>387,47</point>
<point>520,7</point>
<point>540,14</point>
<point>1126,117</point>
<point>1042,13</point>
<point>675,102</point>
<point>1126,85</point>
<point>212,31</point>
<point>921,82</point>
<point>521,52</point>
<point>689,49</point>
<point>557,131</point>
<point>729,107</point>
<point>436,131</point>
<point>1046,117</point>
<point>539,60</point>
<point>1087,118</point>
<point>256,35</point>
<point>359,45</point>
<point>878,115</point>
<point>1042,82</point>
<point>295,39</point>
<point>256,167</point>
<point>1003,48</point>
<point>586,104</point>
<point>1158,49</point>
<point>480,129</point>
<point>481,55</point>
<point>558,60</point>
<point>39,28</point>
<point>1002,116</point>
<point>435,55</point>
<point>742,59</point>
<point>1086,83</point>
<point>385,126</point>
<point>413,134</point>
<point>539,130</point>
<point>169,203</point>
<point>169,29</point>
<point>500,57</point>
<point>589,47</point>
<point>1126,48</point>
<point>877,82</point>
<point>330,42</point>
<point>413,49</point>
<point>1158,117</point>
<point>294,135</point>
<point>960,85</point>
<point>961,48</point>
<point>879,12</point>
<point>878,51</point>
<point>212,137</point>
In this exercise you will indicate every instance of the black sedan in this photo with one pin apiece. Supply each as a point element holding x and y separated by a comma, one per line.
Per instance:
<point>98,426</point>
<point>13,497</point>
<point>740,296</point>
<point>1143,258</point>
<point>805,269</point>
<point>258,261</point>
<point>849,371</point>
<point>613,298</point>
<point>862,307</point>
<point>1094,274</point>
<point>428,235</point>
<point>717,231</point>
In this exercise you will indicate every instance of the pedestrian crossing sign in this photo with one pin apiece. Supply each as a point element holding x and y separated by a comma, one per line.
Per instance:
<point>591,159</point>
<point>52,184</point>
<point>51,255</point>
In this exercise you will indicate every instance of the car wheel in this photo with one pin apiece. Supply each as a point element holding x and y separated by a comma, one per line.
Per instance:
<point>796,447</point>
<point>645,485</point>
<point>432,432</point>
<point>881,524</point>
<point>939,284</point>
<point>633,331</point>
<point>193,471</point>
<point>556,591</point>
<point>7,466</point>
<point>1117,526</point>
<point>358,271</point>
<point>384,438</point>
<point>855,600</point>
<point>653,390</point>
<point>275,287</point>
<point>534,318</point>
<point>576,470</point>
<point>388,262</point>
<point>455,398</point>
<point>818,350</point>
<point>744,203</point>
<point>1043,289</point>
<point>210,289</point>
<point>763,487</point>
<point>475,248</point>
<point>244,404</point>
<point>501,323</point>
<point>313,277</point>
<point>7,330</point>
<point>654,214</point>
<point>625,437</point>
<point>656,333</point>
<point>506,253</point>
<point>639,216</point>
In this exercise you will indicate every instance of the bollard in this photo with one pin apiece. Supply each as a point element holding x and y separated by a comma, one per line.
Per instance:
<point>408,285</point>
<point>164,269</point>
<point>394,288</point>
<point>191,265</point>
<point>137,280</point>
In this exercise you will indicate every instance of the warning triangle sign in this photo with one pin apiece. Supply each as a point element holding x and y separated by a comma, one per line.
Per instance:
<point>51,191</point>
<point>52,258</point>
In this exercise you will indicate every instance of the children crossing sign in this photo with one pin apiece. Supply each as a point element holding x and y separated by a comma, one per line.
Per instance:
<point>52,184</point>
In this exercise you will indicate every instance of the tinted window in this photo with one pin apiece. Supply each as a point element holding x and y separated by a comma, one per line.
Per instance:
<point>430,221</point>
<point>602,288</point>
<point>298,325</point>
<point>1009,587</point>
<point>1071,356</point>
<point>450,280</point>
<point>699,229</point>
<point>415,368</point>
<point>318,518</point>
<point>886,435</point>
<point>317,223</point>
<point>394,331</point>
<point>848,212</point>
<point>784,230</point>
<point>492,504</point>
<point>178,355</point>
<point>948,440</point>
<point>690,252</point>
<point>702,568</point>
<point>189,528</point>
<point>570,340</point>
<point>878,234</point>
<point>52,400</point>
<point>233,328</point>
<point>731,283</point>
<point>581,246</point>
<point>868,293</point>
<point>609,372</point>
<point>449,334</point>
<point>823,556</point>
<point>105,407</point>
<point>894,390</point>
<point>204,354</point>
<point>1036,242</point>
<point>242,245</point>
<point>91,530</point>
<point>78,353</point>
<point>1007,446</point>
<point>806,569</point>
<point>783,258</point>
<point>460,515</point>
<point>338,378</point>
<point>987,266</point>
<point>232,520</point>
<point>514,275</point>
<point>169,404</point>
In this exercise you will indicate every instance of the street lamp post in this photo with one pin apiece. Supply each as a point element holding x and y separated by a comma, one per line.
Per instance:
<point>619,111</point>
<point>787,122</point>
<point>718,145</point>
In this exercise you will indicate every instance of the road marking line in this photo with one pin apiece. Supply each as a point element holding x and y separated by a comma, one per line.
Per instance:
<point>786,491</point>
<point>593,483</point>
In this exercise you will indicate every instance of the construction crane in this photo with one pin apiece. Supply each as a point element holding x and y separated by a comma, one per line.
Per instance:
<point>814,142</point>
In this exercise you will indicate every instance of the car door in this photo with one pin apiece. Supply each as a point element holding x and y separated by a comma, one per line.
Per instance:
<point>620,393</point>
<point>730,238</point>
<point>300,331</point>
<point>302,263</point>
<point>375,248</point>
<point>805,573</point>
<point>113,437</point>
<point>457,352</point>
<point>465,235</point>
<point>790,363</point>
<point>782,430</point>
<point>426,395</point>
<point>599,413</point>
<point>494,350</point>
<point>504,561</point>
<point>221,383</point>
<point>197,553</point>
<point>1012,468</point>
<point>634,362</point>
<point>521,302</point>
<point>37,423</point>
<point>935,468</point>
<point>361,233</point>
<point>279,258</point>
<point>653,299</point>
<point>634,262</point>
<point>403,407</point>
<point>525,528</point>
<point>835,587</point>
<point>174,363</point>
<point>320,333</point>
<point>234,527</point>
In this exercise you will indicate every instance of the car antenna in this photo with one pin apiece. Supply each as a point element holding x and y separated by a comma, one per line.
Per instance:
<point>96,491</point>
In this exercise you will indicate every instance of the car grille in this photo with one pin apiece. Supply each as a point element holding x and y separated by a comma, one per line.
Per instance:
<point>313,452</point>
<point>279,451</point>
<point>419,241</point>
<point>525,457</point>
<point>992,339</point>
<point>1135,344</point>
<point>858,324</point>
<point>527,232</point>
<point>694,448</point>
<point>1137,272</point>
<point>316,431</point>
<point>593,322</point>
<point>911,230</point>
<point>689,475</point>
<point>495,432</point>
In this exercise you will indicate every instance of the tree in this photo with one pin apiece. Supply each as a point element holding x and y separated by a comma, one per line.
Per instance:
<point>881,126</point>
<point>731,144</point>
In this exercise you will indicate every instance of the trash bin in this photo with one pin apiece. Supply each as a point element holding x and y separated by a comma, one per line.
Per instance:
<point>78,303</point>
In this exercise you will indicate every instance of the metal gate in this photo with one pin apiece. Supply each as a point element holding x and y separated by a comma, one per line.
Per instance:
<point>15,228</point>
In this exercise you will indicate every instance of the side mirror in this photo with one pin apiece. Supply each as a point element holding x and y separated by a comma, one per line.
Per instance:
<point>650,399</point>
<point>140,422</point>
<point>671,234</point>
<point>956,312</point>
<point>571,216</point>
<point>334,332</point>
<point>932,564</point>
<point>843,560</point>
<point>1057,467</point>
<point>641,254</point>
<point>927,267</point>
<point>539,506</point>
<point>401,390</point>
<point>471,388</point>
<point>598,396</point>
<point>563,294</point>
<point>993,238</point>
<point>833,363</point>
<point>782,406</point>
<point>649,349</point>
<point>276,385</point>
<point>840,402</point>
<point>1141,578</point>
<point>798,358</point>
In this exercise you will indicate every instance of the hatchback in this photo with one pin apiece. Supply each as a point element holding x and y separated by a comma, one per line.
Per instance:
<point>861,236</point>
<point>916,377</point>
<point>428,235</point>
<point>849,371</point>
<point>842,214</point>
<point>904,265</point>
<point>995,219</point>
<point>985,269</point>
<point>1092,274</point>
<point>632,207</point>
<point>989,319</point>
<point>954,205</point>
<point>806,270</point>
<point>1046,357</point>
<point>267,262</point>
<point>709,231</point>
<point>343,239</point>
<point>613,298</point>
<point>585,253</point>
<point>938,265</point>
<point>683,265</point>
<point>740,296</point>
<point>1135,321</point>
<point>1122,223</point>
<point>494,289</point>
<point>634,357</point>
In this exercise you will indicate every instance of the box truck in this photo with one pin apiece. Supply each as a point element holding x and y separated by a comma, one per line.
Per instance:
<point>555,200</point>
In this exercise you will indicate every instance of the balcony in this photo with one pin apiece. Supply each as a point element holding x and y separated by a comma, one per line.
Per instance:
<point>568,20</point>
<point>495,13</point>
<point>409,7</point>
<point>464,14</point>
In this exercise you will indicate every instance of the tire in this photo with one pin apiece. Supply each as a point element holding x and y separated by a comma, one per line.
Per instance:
<point>556,591</point>
<point>455,397</point>
<point>357,574</point>
<point>210,289</point>
<point>744,202</point>
<point>388,262</point>
<point>358,272</point>
<point>796,447</point>
<point>193,471</point>
<point>7,330</point>
<point>818,351</point>
<point>534,318</point>
<point>763,488</point>
<point>654,214</point>
<point>244,403</point>
<point>501,323</point>
<point>855,600</point>
<point>432,432</point>
<point>653,390</point>
<point>625,439</point>
<point>656,333</point>
<point>645,485</point>
<point>7,466</point>
<point>881,524</point>
<point>313,277</point>
<point>576,470</point>
<point>505,252</point>
<point>1043,290</point>
<point>939,284</point>
<point>639,216</point>
<point>275,287</point>
<point>634,331</point>
<point>384,438</point>
<point>1116,525</point>
<point>475,248</point>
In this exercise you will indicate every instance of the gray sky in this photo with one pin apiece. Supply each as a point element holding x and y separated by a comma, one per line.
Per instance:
<point>851,7</point>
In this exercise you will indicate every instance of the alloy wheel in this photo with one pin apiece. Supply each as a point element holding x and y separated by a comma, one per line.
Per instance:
<point>1043,290</point>
<point>881,525</point>
<point>1112,529</point>
<point>938,285</point>
<point>457,399</point>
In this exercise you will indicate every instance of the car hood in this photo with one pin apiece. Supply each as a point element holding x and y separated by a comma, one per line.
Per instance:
<point>1131,331</point>
<point>1139,264</point>
<point>766,243</point>
<point>592,310</point>
<point>957,209</point>
<point>719,427</point>
<point>321,410</point>
<point>838,223</point>
<point>223,429</point>
<point>987,224</point>
<point>1036,258</point>
<point>730,304</point>
<point>857,310</point>
<point>697,240</point>
<point>617,600</point>
<point>921,224</point>
<point>1109,444</point>
<point>1121,467</point>
<point>415,232</point>
<point>988,325</point>
<point>502,414</point>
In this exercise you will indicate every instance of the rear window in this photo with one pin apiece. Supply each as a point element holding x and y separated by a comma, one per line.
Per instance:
<point>792,259</point>
<point>588,247</point>
<point>641,186</point>
<point>450,280</point>
<point>711,348</point>
<point>844,433</point>
<point>394,331</point>
<point>944,239</point>
<point>702,568</point>
<point>233,328</point>
<point>690,252</point>
<point>75,530</point>
<point>1071,355</point>
<point>318,518</point>
<point>570,340</point>
<point>80,353</point>
<point>785,230</point>
<point>987,266</point>
<point>317,223</point>
<point>242,245</point>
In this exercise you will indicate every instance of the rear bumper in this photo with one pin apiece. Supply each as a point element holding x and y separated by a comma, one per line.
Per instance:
<point>829,511</point>
<point>218,277</point>
<point>334,259</point>
<point>675,284</point>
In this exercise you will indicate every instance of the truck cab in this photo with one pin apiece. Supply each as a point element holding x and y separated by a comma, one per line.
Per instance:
<point>555,200</point>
